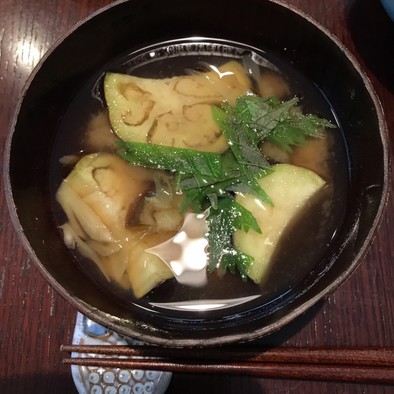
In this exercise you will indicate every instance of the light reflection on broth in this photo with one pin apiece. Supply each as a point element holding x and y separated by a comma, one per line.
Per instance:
<point>85,129</point>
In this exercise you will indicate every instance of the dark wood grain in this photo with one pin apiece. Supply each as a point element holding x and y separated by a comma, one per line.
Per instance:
<point>34,321</point>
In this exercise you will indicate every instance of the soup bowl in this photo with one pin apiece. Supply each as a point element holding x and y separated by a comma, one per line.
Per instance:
<point>129,26</point>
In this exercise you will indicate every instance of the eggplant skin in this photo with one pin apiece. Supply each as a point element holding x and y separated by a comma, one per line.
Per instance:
<point>174,111</point>
<point>289,187</point>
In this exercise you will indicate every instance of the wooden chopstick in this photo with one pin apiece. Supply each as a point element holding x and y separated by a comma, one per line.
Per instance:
<point>342,356</point>
<point>368,365</point>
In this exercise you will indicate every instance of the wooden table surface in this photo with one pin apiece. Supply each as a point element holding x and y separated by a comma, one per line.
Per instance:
<point>35,321</point>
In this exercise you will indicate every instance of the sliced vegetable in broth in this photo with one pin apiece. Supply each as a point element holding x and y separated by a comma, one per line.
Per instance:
<point>173,111</point>
<point>290,187</point>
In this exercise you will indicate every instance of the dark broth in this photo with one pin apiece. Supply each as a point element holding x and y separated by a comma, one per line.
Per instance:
<point>302,249</point>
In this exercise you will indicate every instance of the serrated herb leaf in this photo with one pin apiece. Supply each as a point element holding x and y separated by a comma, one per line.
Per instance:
<point>181,160</point>
<point>295,130</point>
<point>223,221</point>
<point>279,122</point>
<point>243,143</point>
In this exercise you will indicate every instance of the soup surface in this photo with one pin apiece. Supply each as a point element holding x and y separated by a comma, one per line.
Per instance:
<point>86,128</point>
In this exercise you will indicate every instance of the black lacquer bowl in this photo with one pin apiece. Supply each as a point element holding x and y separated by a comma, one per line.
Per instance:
<point>129,26</point>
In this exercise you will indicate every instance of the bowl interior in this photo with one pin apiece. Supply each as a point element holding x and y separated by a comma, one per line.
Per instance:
<point>129,26</point>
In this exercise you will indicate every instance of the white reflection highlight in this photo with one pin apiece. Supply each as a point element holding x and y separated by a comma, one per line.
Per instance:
<point>204,305</point>
<point>186,252</point>
<point>28,53</point>
<point>219,73</point>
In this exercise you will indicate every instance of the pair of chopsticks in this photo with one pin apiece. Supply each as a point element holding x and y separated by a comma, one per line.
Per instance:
<point>367,365</point>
